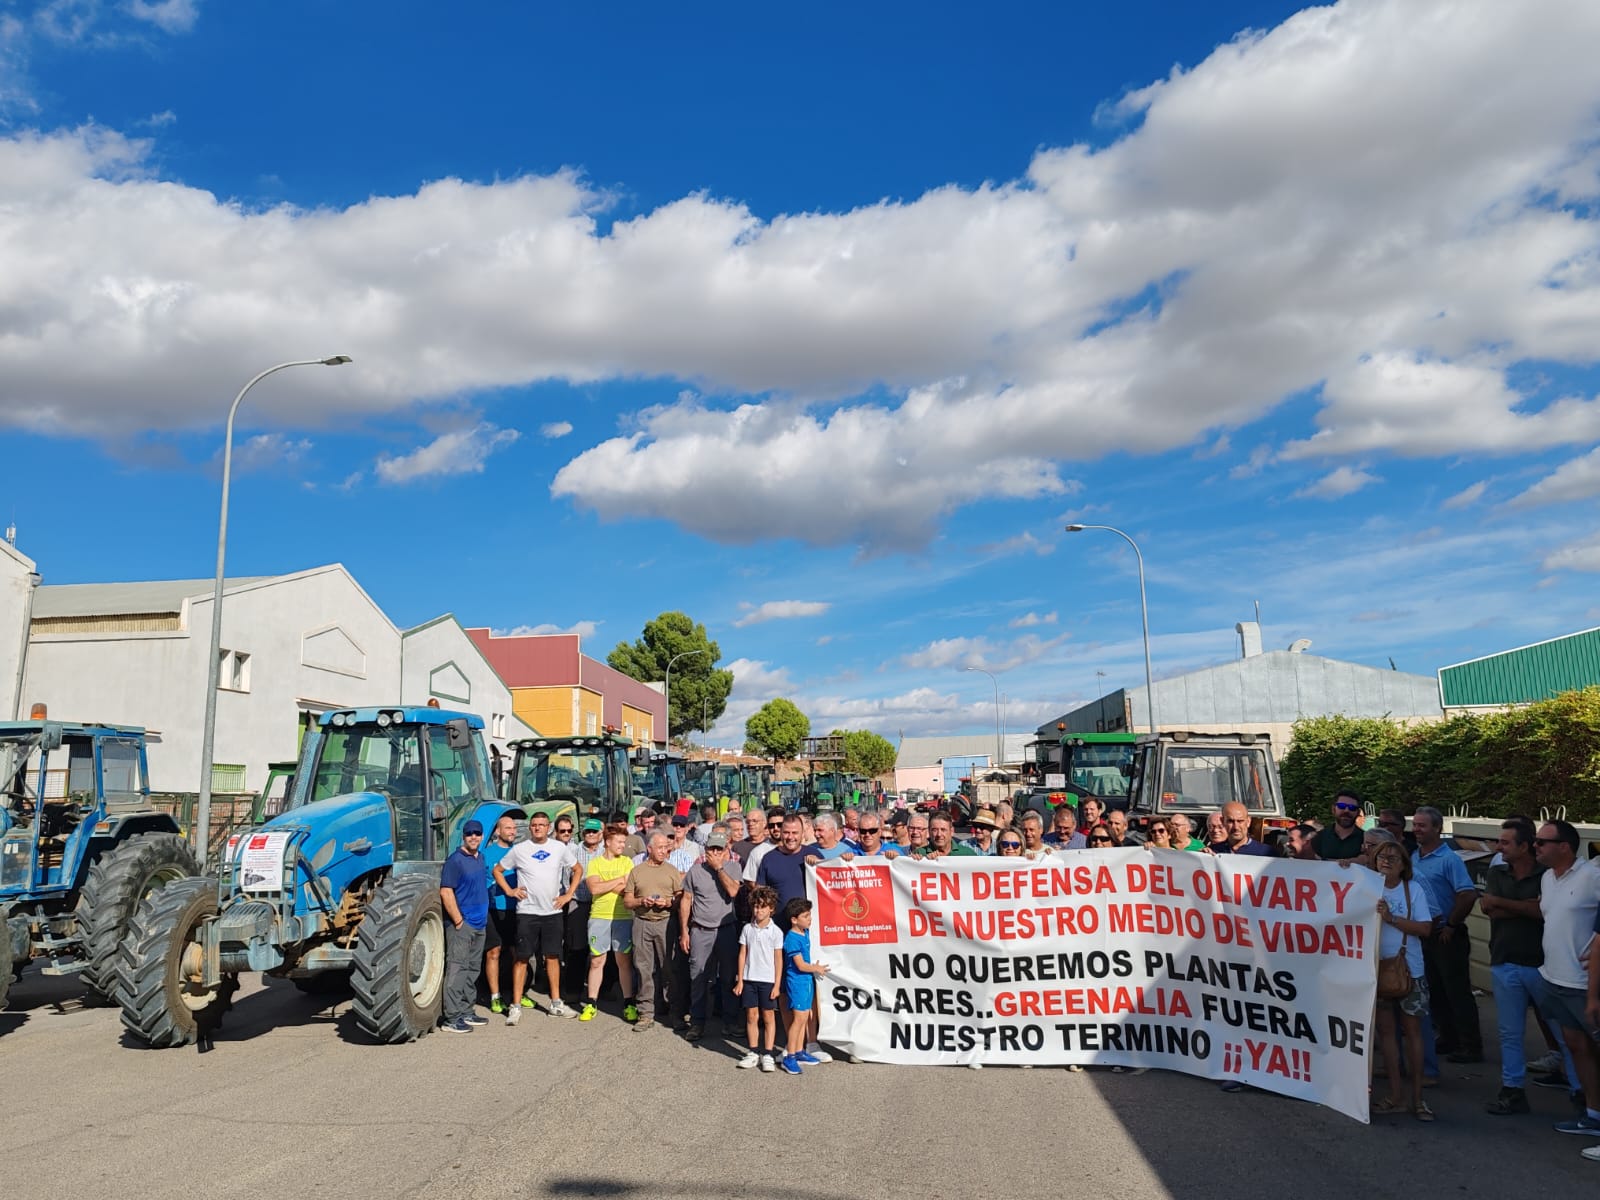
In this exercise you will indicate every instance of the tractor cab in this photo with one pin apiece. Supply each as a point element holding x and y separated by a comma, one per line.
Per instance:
<point>61,786</point>
<point>660,777</point>
<point>578,776</point>
<point>1198,773</point>
<point>80,846</point>
<point>428,764</point>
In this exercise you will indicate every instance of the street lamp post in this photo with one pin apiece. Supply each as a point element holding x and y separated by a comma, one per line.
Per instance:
<point>668,688</point>
<point>208,737</point>
<point>999,745</point>
<point>1144,613</point>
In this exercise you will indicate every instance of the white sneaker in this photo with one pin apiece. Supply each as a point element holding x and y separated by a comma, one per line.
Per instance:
<point>818,1053</point>
<point>514,1015</point>
<point>976,1066</point>
<point>767,1064</point>
<point>1592,1153</point>
<point>559,1009</point>
<point>1546,1063</point>
<point>748,1061</point>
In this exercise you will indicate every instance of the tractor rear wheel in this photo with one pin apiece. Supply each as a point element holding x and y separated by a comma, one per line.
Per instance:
<point>118,880</point>
<point>398,976</point>
<point>161,1003</point>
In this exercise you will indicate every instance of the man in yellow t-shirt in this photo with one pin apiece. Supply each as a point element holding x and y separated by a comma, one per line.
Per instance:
<point>610,923</point>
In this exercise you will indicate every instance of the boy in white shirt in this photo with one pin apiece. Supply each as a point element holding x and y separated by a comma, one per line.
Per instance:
<point>758,978</point>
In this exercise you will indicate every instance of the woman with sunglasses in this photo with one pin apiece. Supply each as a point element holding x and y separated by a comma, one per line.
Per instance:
<point>1406,921</point>
<point>1158,835</point>
<point>1009,843</point>
<point>1100,838</point>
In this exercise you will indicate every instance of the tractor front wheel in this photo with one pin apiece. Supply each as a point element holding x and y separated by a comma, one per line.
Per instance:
<point>398,977</point>
<point>118,881</point>
<point>159,967</point>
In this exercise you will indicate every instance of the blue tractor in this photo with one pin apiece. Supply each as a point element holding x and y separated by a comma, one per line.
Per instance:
<point>340,890</point>
<point>80,847</point>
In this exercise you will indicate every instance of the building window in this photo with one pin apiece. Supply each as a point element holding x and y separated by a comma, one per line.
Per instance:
<point>627,729</point>
<point>591,724</point>
<point>234,675</point>
<point>227,778</point>
<point>497,725</point>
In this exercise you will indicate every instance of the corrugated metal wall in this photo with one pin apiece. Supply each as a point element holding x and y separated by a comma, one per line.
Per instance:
<point>1524,675</point>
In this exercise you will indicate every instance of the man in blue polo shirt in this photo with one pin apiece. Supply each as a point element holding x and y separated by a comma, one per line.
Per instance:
<point>784,868</point>
<point>1447,952</point>
<point>464,892</point>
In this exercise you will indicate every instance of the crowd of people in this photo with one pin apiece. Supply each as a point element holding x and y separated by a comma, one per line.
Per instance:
<point>706,918</point>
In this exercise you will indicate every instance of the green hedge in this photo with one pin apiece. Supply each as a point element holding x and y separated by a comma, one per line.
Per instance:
<point>1519,760</point>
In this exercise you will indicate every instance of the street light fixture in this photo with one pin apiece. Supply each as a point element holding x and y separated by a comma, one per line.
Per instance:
<point>999,745</point>
<point>667,690</point>
<point>1144,613</point>
<point>208,739</point>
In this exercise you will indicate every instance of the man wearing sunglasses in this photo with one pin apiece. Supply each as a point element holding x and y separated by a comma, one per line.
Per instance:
<point>869,836</point>
<point>1342,839</point>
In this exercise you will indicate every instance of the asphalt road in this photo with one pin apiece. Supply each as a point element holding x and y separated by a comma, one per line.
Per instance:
<point>294,1098</point>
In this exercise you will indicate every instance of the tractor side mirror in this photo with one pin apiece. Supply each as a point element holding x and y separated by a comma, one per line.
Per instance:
<point>641,754</point>
<point>50,736</point>
<point>438,810</point>
<point>458,733</point>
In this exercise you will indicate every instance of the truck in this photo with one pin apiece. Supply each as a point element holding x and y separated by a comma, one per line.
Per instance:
<point>1197,773</point>
<point>81,844</point>
<point>338,891</point>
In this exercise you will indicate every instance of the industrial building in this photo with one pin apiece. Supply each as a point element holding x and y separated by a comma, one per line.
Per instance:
<point>559,690</point>
<point>1265,691</point>
<point>1522,675</point>
<point>293,647</point>
<point>920,762</point>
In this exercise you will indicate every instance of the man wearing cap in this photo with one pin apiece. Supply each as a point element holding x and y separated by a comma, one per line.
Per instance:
<point>590,847</point>
<point>685,850</point>
<point>464,892</point>
<point>710,932</point>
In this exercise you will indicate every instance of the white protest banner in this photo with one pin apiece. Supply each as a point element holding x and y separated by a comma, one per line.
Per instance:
<point>1261,970</point>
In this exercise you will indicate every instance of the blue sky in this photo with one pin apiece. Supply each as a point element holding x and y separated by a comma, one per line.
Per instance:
<point>820,325</point>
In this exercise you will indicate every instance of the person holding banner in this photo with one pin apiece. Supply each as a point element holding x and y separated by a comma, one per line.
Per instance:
<point>942,838</point>
<point>1406,922</point>
<point>1183,837</point>
<point>1033,844</point>
<point>870,834</point>
<point>800,989</point>
<point>1236,839</point>
<point>1065,835</point>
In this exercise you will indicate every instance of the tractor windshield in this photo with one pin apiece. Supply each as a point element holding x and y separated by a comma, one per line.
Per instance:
<point>1097,769</point>
<point>370,758</point>
<point>1204,777</point>
<point>572,773</point>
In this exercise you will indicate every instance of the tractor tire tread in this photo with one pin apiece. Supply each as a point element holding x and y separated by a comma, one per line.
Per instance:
<point>142,966</point>
<point>112,892</point>
<point>378,977</point>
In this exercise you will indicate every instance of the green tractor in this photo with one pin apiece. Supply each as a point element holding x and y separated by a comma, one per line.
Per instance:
<point>576,776</point>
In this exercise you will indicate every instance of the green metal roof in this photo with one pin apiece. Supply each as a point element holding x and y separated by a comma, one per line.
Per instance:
<point>1525,674</point>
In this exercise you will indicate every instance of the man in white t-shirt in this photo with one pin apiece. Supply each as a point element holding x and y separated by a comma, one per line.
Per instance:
<point>548,875</point>
<point>1569,898</point>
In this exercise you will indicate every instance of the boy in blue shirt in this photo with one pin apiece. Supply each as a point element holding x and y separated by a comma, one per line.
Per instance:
<point>799,984</point>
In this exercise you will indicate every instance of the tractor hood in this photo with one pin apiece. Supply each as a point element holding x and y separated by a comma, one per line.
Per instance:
<point>336,839</point>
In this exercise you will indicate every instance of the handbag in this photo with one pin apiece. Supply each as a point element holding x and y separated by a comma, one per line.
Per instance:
<point>1394,976</point>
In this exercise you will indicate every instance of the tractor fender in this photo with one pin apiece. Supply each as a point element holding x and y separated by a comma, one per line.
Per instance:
<point>486,814</point>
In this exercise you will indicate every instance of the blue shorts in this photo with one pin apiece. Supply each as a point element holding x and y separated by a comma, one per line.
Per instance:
<point>800,994</point>
<point>758,995</point>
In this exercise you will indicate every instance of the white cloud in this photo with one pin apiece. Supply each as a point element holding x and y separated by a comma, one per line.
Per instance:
<point>555,429</point>
<point>1252,466</point>
<point>1338,483</point>
<point>1583,555</point>
<point>266,450</point>
<point>458,452</point>
<point>981,652</point>
<point>1022,543</point>
<point>753,677</point>
<point>1467,496</point>
<point>172,16</point>
<point>1030,619</point>
<point>1577,479</point>
<point>1316,207</point>
<point>780,610</point>
<point>584,629</point>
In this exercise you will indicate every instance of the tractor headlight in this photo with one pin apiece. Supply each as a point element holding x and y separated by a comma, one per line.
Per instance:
<point>397,717</point>
<point>383,720</point>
